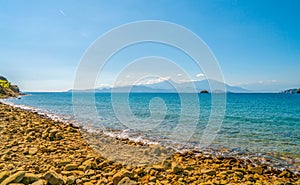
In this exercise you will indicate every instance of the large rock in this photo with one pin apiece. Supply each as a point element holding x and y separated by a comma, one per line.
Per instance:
<point>15,178</point>
<point>39,182</point>
<point>298,91</point>
<point>166,164</point>
<point>53,178</point>
<point>3,175</point>
<point>176,168</point>
<point>120,175</point>
<point>29,178</point>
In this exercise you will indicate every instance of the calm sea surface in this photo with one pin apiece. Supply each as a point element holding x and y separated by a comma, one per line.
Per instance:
<point>259,124</point>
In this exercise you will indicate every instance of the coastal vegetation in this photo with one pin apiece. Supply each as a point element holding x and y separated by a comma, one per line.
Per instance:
<point>7,89</point>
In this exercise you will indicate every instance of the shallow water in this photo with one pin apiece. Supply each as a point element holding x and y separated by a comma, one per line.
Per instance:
<point>267,125</point>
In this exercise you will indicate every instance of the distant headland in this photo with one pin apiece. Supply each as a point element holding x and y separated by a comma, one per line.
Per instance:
<point>291,91</point>
<point>7,89</point>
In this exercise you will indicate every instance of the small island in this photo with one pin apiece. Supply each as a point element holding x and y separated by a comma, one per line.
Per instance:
<point>204,92</point>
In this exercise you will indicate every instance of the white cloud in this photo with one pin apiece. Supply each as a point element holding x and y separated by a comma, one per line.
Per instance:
<point>260,82</point>
<point>273,81</point>
<point>200,75</point>
<point>187,80</point>
<point>179,74</point>
<point>152,80</point>
<point>103,85</point>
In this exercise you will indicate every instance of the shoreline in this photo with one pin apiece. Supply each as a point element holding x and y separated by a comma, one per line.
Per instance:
<point>54,151</point>
<point>275,160</point>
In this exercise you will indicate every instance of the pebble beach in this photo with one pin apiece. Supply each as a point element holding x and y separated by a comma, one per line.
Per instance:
<point>38,150</point>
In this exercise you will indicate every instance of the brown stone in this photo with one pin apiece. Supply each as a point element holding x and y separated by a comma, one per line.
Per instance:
<point>70,180</point>
<point>29,178</point>
<point>54,178</point>
<point>166,164</point>
<point>32,151</point>
<point>126,181</point>
<point>176,168</point>
<point>121,174</point>
<point>15,178</point>
<point>257,169</point>
<point>209,172</point>
<point>3,175</point>
<point>39,182</point>
<point>88,183</point>
<point>70,167</point>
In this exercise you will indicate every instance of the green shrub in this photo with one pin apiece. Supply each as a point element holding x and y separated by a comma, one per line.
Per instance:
<point>5,84</point>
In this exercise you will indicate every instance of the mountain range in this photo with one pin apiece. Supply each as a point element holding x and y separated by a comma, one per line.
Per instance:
<point>170,86</point>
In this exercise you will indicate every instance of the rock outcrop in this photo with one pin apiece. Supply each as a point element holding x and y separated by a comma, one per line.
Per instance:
<point>291,91</point>
<point>7,89</point>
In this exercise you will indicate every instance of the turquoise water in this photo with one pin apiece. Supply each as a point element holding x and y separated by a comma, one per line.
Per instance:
<point>267,125</point>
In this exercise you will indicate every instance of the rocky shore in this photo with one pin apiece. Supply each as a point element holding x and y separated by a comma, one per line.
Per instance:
<point>37,150</point>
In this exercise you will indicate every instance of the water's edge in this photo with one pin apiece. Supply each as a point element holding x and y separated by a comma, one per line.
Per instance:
<point>277,162</point>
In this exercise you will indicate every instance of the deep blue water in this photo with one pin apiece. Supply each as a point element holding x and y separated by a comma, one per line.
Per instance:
<point>256,123</point>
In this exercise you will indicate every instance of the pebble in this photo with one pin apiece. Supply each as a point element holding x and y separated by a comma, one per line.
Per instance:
<point>33,151</point>
<point>209,172</point>
<point>70,167</point>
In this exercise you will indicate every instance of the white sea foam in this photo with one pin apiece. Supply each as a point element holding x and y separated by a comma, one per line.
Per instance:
<point>125,134</point>
<point>41,112</point>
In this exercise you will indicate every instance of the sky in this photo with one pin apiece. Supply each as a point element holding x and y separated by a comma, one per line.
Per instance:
<point>256,43</point>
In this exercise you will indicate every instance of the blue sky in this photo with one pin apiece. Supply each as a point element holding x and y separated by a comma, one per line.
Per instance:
<point>257,43</point>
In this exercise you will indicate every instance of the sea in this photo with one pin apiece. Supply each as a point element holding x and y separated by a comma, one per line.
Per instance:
<point>263,127</point>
